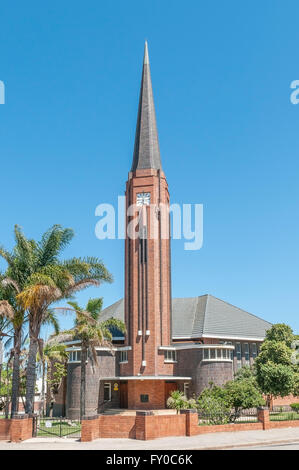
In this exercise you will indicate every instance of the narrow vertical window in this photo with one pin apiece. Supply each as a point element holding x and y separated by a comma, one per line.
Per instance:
<point>107,391</point>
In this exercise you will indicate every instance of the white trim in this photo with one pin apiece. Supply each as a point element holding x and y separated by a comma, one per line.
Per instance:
<point>217,360</point>
<point>147,377</point>
<point>196,346</point>
<point>236,338</point>
<point>102,348</point>
<point>77,341</point>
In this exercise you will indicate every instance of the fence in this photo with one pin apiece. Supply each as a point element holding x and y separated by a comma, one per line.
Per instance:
<point>56,427</point>
<point>237,417</point>
<point>280,414</point>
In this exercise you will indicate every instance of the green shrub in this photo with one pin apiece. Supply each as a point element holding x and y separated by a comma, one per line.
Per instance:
<point>295,407</point>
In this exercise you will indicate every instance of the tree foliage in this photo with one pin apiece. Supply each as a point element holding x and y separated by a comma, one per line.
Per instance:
<point>276,370</point>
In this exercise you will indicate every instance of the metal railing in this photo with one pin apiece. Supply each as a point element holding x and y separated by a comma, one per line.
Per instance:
<point>229,417</point>
<point>56,427</point>
<point>283,414</point>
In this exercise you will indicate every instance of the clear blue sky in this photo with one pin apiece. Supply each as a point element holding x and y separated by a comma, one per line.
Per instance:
<point>229,135</point>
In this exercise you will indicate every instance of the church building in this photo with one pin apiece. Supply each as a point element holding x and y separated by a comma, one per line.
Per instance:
<point>170,343</point>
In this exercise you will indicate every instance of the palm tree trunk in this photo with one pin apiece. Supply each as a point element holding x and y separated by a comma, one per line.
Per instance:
<point>83,380</point>
<point>7,392</point>
<point>16,372</point>
<point>43,387</point>
<point>31,375</point>
<point>1,363</point>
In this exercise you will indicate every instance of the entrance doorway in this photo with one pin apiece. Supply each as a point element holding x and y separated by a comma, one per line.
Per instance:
<point>123,395</point>
<point>169,387</point>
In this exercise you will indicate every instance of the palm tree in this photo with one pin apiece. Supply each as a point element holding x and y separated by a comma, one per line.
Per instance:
<point>49,280</point>
<point>11,312</point>
<point>42,278</point>
<point>51,352</point>
<point>92,333</point>
<point>4,327</point>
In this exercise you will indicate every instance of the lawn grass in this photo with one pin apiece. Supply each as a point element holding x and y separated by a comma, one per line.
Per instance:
<point>60,429</point>
<point>283,416</point>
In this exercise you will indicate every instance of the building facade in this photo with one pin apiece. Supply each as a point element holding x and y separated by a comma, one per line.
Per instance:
<point>169,343</point>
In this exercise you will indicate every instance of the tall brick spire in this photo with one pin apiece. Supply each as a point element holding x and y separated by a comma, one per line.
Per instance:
<point>146,149</point>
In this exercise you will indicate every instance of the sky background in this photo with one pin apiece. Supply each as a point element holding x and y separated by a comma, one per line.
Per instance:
<point>229,135</point>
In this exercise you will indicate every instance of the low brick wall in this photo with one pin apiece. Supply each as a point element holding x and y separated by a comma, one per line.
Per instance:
<point>117,426</point>
<point>149,426</point>
<point>145,425</point>
<point>283,424</point>
<point>17,429</point>
<point>5,429</point>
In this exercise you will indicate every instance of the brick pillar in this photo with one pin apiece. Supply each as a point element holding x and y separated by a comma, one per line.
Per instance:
<point>21,428</point>
<point>89,428</point>
<point>191,421</point>
<point>143,431</point>
<point>263,416</point>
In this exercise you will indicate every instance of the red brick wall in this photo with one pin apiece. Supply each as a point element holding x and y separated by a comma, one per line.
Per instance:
<point>5,429</point>
<point>148,426</point>
<point>164,426</point>
<point>20,429</point>
<point>284,424</point>
<point>90,429</point>
<point>155,389</point>
<point>157,284</point>
<point>117,426</point>
<point>279,401</point>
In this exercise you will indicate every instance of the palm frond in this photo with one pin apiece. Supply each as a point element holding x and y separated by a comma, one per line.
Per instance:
<point>94,307</point>
<point>6,310</point>
<point>7,281</point>
<point>52,243</point>
<point>50,318</point>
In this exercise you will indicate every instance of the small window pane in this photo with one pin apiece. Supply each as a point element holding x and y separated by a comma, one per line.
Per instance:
<point>212,354</point>
<point>206,354</point>
<point>238,351</point>
<point>253,350</point>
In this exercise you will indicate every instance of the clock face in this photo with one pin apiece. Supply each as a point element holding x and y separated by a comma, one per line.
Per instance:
<point>143,199</point>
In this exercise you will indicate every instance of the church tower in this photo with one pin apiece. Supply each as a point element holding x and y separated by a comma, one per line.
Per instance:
<point>147,248</point>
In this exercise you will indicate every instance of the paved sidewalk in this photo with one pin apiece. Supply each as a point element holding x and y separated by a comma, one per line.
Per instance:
<point>222,440</point>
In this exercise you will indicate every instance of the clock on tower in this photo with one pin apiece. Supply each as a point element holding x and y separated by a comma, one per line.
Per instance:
<point>143,199</point>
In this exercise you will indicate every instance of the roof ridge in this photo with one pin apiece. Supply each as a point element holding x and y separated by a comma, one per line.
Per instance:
<point>205,312</point>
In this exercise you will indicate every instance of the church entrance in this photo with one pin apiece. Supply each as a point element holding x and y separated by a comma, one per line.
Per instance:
<point>169,387</point>
<point>123,395</point>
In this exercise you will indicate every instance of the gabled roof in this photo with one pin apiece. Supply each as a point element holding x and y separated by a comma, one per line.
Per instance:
<point>205,316</point>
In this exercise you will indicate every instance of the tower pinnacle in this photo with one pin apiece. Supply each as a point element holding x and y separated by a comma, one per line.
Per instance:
<point>146,149</point>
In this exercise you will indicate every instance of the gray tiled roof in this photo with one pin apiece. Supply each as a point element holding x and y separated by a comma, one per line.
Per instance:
<point>205,315</point>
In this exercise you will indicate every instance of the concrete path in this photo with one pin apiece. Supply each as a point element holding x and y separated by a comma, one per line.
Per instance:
<point>223,440</point>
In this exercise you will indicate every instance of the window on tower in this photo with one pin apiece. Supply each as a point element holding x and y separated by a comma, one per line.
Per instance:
<point>170,356</point>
